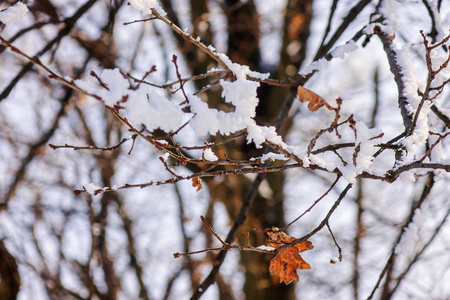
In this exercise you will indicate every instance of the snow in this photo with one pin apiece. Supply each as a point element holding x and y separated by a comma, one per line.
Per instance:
<point>323,63</point>
<point>152,109</point>
<point>369,29</point>
<point>242,94</point>
<point>165,156</point>
<point>437,60</point>
<point>146,106</point>
<point>411,238</point>
<point>410,81</point>
<point>388,10</point>
<point>146,6</point>
<point>206,120</point>
<point>389,25</point>
<point>318,65</point>
<point>340,51</point>
<point>314,159</point>
<point>366,143</point>
<point>117,86</point>
<point>91,188</point>
<point>273,157</point>
<point>265,248</point>
<point>411,85</point>
<point>13,14</point>
<point>259,134</point>
<point>437,20</point>
<point>211,47</point>
<point>421,132</point>
<point>209,155</point>
<point>87,84</point>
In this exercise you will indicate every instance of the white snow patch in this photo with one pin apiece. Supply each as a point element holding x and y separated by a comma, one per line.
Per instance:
<point>265,248</point>
<point>365,153</point>
<point>421,131</point>
<point>314,66</point>
<point>152,109</point>
<point>146,106</point>
<point>410,81</point>
<point>117,86</point>
<point>13,14</point>
<point>411,85</point>
<point>146,6</point>
<point>437,60</point>
<point>91,188</point>
<point>335,259</point>
<point>411,238</point>
<point>369,29</point>
<point>314,159</point>
<point>242,94</point>
<point>321,64</point>
<point>209,155</point>
<point>340,51</point>
<point>388,10</point>
<point>165,156</point>
<point>437,21</point>
<point>273,157</point>
<point>259,134</point>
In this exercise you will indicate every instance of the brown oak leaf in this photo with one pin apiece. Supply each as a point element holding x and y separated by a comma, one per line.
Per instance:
<point>315,101</point>
<point>196,182</point>
<point>288,260</point>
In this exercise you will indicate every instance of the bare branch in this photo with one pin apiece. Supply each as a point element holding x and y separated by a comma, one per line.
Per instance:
<point>194,41</point>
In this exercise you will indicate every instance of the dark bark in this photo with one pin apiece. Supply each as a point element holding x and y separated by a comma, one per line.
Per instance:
<point>9,275</point>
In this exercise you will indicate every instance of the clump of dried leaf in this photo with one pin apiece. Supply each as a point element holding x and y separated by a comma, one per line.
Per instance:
<point>288,260</point>
<point>196,182</point>
<point>314,101</point>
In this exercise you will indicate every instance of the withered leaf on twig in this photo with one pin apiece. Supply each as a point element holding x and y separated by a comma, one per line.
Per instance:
<point>196,182</point>
<point>288,260</point>
<point>315,101</point>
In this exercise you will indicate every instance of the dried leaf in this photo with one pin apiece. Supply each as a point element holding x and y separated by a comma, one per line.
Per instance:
<point>196,182</point>
<point>315,101</point>
<point>288,260</point>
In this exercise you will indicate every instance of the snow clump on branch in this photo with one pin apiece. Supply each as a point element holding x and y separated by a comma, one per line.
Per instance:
<point>209,155</point>
<point>411,239</point>
<point>144,106</point>
<point>363,156</point>
<point>13,14</point>
<point>146,6</point>
<point>242,94</point>
<point>323,63</point>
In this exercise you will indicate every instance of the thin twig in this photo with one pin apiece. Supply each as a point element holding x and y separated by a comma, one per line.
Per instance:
<point>324,221</point>
<point>111,148</point>
<point>69,23</point>
<point>315,202</point>
<point>192,40</point>
<point>391,260</point>
<point>138,21</point>
<point>421,251</point>
<point>335,242</point>
<point>211,230</point>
